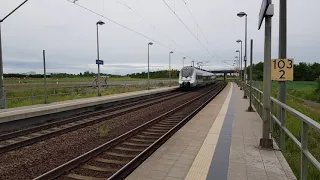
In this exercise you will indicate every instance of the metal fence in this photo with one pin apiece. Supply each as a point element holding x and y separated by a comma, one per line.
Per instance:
<point>30,96</point>
<point>306,123</point>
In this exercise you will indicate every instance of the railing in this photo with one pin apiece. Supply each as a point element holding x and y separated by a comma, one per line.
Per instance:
<point>306,156</point>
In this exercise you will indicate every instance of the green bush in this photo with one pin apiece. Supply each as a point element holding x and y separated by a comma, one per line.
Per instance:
<point>317,91</point>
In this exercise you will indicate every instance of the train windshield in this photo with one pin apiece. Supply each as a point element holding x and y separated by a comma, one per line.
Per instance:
<point>186,72</point>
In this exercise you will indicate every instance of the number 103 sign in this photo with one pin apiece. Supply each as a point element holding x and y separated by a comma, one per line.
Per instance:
<point>282,70</point>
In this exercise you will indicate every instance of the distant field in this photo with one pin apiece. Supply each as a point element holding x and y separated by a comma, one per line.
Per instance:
<point>75,79</point>
<point>300,89</point>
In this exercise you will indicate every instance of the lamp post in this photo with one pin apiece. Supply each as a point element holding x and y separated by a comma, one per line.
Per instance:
<point>149,44</point>
<point>170,68</point>
<point>240,61</point>
<point>240,68</point>
<point>250,109</point>
<point>2,98</point>
<point>183,61</point>
<point>2,103</point>
<point>98,58</point>
<point>237,67</point>
<point>241,14</point>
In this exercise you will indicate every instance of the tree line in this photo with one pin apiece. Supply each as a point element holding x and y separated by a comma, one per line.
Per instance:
<point>155,74</point>
<point>57,75</point>
<point>302,71</point>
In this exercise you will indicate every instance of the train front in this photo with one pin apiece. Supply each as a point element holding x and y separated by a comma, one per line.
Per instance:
<point>186,78</point>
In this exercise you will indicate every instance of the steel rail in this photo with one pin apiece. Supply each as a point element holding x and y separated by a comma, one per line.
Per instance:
<point>83,123</point>
<point>124,171</point>
<point>113,106</point>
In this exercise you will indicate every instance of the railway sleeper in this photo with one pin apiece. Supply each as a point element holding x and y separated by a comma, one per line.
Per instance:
<point>97,168</point>
<point>136,144</point>
<point>129,149</point>
<point>120,155</point>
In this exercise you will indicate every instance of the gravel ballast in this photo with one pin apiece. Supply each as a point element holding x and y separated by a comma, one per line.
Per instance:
<point>34,160</point>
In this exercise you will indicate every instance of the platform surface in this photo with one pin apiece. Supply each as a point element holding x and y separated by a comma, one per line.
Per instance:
<point>12,114</point>
<point>220,143</point>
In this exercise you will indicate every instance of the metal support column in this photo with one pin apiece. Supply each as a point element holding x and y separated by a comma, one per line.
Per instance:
<point>2,100</point>
<point>250,109</point>
<point>98,58</point>
<point>245,61</point>
<point>170,68</point>
<point>265,141</point>
<point>304,148</point>
<point>281,113</point>
<point>44,77</point>
<point>2,92</point>
<point>241,72</point>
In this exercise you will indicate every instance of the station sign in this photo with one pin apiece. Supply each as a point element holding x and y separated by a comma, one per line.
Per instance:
<point>282,69</point>
<point>264,6</point>
<point>99,62</point>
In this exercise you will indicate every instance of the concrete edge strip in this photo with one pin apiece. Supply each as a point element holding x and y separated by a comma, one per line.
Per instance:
<point>11,115</point>
<point>200,166</point>
<point>220,163</point>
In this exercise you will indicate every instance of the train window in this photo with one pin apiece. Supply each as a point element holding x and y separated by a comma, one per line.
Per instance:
<point>186,72</point>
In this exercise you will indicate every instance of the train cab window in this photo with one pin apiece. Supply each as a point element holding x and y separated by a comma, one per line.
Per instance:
<point>186,72</point>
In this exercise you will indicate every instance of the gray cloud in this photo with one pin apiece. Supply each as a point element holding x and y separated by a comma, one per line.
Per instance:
<point>68,33</point>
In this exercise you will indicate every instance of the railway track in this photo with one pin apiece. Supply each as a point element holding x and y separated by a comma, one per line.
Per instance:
<point>17,139</point>
<point>120,156</point>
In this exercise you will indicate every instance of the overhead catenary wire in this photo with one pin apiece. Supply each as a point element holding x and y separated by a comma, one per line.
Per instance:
<point>123,3</point>
<point>190,31</point>
<point>134,31</point>
<point>198,26</point>
<point>194,19</point>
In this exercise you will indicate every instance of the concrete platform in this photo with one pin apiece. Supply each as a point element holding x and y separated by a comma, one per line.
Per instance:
<point>28,112</point>
<point>219,143</point>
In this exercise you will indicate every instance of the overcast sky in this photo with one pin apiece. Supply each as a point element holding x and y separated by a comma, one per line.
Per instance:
<point>68,33</point>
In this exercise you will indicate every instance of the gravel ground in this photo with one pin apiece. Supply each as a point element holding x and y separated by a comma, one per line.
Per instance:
<point>32,161</point>
<point>100,174</point>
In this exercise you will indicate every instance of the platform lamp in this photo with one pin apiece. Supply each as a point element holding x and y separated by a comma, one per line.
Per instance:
<point>2,93</point>
<point>240,55</point>
<point>240,68</point>
<point>149,44</point>
<point>241,14</point>
<point>236,61</point>
<point>98,58</point>
<point>171,52</point>
<point>183,61</point>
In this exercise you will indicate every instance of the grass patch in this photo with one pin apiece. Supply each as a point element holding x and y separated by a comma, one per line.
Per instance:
<point>74,79</point>
<point>103,131</point>
<point>302,89</point>
<point>25,97</point>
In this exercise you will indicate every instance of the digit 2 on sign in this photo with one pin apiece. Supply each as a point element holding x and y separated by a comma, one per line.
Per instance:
<point>282,69</point>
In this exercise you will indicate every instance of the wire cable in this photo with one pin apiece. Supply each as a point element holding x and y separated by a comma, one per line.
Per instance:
<point>194,19</point>
<point>190,31</point>
<point>123,26</point>
<point>129,7</point>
